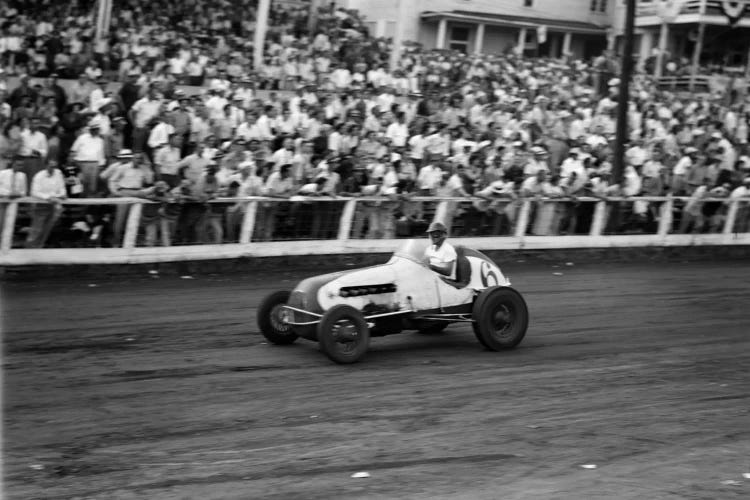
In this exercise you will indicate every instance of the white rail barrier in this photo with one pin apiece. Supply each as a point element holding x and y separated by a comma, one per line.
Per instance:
<point>730,227</point>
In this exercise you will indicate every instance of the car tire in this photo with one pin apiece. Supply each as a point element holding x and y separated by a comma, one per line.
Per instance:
<point>270,319</point>
<point>433,328</point>
<point>501,318</point>
<point>343,334</point>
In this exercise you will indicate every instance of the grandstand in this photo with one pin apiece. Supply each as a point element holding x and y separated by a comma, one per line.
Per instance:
<point>174,107</point>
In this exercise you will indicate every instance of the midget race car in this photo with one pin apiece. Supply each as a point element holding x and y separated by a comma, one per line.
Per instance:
<point>342,310</point>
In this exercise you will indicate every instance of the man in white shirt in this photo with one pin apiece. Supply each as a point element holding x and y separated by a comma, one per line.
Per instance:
<point>398,132</point>
<point>267,123</point>
<point>429,177</point>
<point>89,152</point>
<point>167,161</point>
<point>49,187</point>
<point>283,156</point>
<point>341,78</point>
<point>160,134</point>
<point>572,164</point>
<point>441,257</point>
<point>537,162</point>
<point>13,184</point>
<point>13,181</point>
<point>143,111</point>
<point>215,104</point>
<point>33,148</point>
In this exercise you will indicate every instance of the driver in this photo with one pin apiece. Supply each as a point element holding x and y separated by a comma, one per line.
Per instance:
<point>440,256</point>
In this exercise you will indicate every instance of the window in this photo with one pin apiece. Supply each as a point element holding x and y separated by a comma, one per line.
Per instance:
<point>528,3</point>
<point>598,6</point>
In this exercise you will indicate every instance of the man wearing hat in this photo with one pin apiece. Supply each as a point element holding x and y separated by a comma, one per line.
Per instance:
<point>537,162</point>
<point>128,177</point>
<point>681,169</point>
<point>440,256</point>
<point>89,153</point>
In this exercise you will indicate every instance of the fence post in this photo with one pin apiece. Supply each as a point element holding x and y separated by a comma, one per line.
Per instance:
<point>440,212</point>
<point>345,223</point>
<point>597,225</point>
<point>522,222</point>
<point>665,217</point>
<point>731,217</point>
<point>9,225</point>
<point>248,222</point>
<point>131,227</point>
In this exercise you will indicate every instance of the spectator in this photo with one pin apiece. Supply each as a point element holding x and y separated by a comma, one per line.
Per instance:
<point>48,187</point>
<point>89,153</point>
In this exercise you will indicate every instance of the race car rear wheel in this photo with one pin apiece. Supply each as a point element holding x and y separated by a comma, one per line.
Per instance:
<point>500,318</point>
<point>272,319</point>
<point>343,334</point>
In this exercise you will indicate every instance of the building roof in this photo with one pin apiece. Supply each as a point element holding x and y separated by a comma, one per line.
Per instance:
<point>517,21</point>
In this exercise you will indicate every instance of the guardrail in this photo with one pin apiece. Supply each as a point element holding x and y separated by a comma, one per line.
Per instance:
<point>318,225</point>
<point>701,83</point>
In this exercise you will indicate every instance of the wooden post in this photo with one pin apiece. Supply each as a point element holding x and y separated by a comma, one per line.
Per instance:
<point>345,223</point>
<point>248,222</point>
<point>665,217</point>
<point>440,212</point>
<point>597,224</point>
<point>131,227</point>
<point>9,224</point>
<point>522,222</point>
<point>731,217</point>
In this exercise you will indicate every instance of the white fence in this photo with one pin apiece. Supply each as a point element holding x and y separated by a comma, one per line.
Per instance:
<point>729,228</point>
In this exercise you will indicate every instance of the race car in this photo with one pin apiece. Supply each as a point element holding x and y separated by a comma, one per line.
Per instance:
<point>342,310</point>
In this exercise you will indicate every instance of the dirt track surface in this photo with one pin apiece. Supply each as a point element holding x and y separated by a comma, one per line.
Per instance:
<point>164,389</point>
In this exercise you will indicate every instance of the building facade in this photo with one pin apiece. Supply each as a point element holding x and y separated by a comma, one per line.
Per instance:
<point>673,27</point>
<point>581,28</point>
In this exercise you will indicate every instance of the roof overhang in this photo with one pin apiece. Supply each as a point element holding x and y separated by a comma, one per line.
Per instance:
<point>560,25</point>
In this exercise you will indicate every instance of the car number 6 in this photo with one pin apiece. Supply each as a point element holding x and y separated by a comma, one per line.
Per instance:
<point>489,278</point>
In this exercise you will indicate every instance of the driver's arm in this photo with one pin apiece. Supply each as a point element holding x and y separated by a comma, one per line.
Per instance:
<point>444,268</point>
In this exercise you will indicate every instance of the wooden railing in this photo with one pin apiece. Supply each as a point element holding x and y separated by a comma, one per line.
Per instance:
<point>520,235</point>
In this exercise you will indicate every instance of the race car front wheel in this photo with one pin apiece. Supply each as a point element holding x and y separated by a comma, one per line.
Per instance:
<point>500,318</point>
<point>343,334</point>
<point>271,319</point>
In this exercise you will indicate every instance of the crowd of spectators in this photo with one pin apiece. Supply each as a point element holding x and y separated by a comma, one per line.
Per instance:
<point>327,119</point>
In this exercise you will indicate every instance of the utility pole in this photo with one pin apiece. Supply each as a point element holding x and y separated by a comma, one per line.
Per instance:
<point>623,96</point>
<point>261,26</point>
